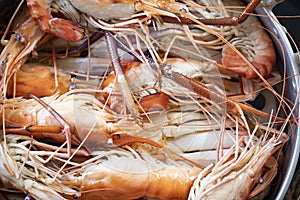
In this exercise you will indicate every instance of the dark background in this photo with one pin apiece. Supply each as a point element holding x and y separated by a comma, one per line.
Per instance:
<point>288,14</point>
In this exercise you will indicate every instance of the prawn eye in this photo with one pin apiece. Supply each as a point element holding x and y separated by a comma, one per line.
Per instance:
<point>110,142</point>
<point>76,196</point>
<point>28,198</point>
<point>19,37</point>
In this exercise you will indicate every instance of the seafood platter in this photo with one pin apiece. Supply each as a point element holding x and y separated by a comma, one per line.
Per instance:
<point>142,99</point>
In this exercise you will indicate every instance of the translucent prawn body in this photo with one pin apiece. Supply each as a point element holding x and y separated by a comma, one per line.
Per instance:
<point>106,9</point>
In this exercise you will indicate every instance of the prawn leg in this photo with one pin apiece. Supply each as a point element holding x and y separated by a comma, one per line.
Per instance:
<point>126,139</point>
<point>38,132</point>
<point>66,130</point>
<point>93,38</point>
<point>121,80</point>
<point>41,13</point>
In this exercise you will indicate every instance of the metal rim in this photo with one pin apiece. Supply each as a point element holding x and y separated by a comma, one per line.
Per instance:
<point>286,54</point>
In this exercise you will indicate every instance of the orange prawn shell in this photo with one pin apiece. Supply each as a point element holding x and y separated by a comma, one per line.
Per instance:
<point>37,80</point>
<point>154,102</point>
<point>106,182</point>
<point>264,56</point>
<point>157,101</point>
<point>41,13</point>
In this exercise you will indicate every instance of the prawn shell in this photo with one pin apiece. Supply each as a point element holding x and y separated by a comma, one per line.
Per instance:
<point>153,102</point>
<point>126,178</point>
<point>264,58</point>
<point>157,102</point>
<point>41,13</point>
<point>107,9</point>
<point>39,81</point>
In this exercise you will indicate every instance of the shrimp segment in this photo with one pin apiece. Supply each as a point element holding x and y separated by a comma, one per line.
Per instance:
<point>261,53</point>
<point>107,9</point>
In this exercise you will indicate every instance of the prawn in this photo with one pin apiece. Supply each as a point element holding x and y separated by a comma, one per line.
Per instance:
<point>178,122</point>
<point>101,176</point>
<point>68,106</point>
<point>174,73</point>
<point>19,47</point>
<point>246,49</point>
<point>256,45</point>
<point>236,173</point>
<point>51,116</point>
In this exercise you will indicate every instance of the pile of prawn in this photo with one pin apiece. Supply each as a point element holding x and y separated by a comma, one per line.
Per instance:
<point>139,99</point>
